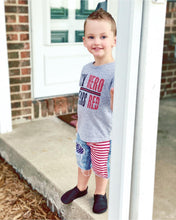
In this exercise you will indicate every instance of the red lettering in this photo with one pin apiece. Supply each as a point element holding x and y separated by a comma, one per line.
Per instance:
<point>100,85</point>
<point>93,102</point>
<point>89,102</point>
<point>95,83</point>
<point>96,102</point>
<point>90,82</point>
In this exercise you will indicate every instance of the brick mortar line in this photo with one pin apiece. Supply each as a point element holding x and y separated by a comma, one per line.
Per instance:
<point>19,92</point>
<point>21,75</point>
<point>21,100</point>
<point>17,42</point>
<point>164,72</point>
<point>21,107</point>
<point>22,110</point>
<point>172,86</point>
<point>171,76</point>
<point>17,15</point>
<point>19,50</point>
<point>20,59</point>
<point>167,71</point>
<point>168,89</point>
<point>17,23</point>
<point>168,51</point>
<point>17,59</point>
<point>15,50</point>
<point>17,76</point>
<point>17,32</point>
<point>167,81</point>
<point>14,101</point>
<point>170,32</point>
<point>20,116</point>
<point>16,4</point>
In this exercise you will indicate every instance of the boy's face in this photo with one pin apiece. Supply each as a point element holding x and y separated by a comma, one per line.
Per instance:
<point>99,40</point>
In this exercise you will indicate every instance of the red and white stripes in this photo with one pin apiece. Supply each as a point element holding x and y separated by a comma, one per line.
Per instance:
<point>99,157</point>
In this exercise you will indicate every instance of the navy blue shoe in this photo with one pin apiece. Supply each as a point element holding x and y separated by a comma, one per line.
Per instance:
<point>72,194</point>
<point>100,204</point>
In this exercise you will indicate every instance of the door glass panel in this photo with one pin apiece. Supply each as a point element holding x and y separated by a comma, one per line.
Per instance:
<point>67,18</point>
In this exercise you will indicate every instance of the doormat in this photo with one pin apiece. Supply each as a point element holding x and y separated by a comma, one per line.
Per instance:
<point>70,119</point>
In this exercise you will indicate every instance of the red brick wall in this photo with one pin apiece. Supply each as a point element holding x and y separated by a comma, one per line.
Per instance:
<point>168,82</point>
<point>18,44</point>
<point>19,54</point>
<point>55,106</point>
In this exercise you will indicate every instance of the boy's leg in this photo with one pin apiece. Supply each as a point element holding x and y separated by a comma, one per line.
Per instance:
<point>79,190</point>
<point>100,155</point>
<point>83,178</point>
<point>100,200</point>
<point>84,161</point>
<point>101,184</point>
<point>83,155</point>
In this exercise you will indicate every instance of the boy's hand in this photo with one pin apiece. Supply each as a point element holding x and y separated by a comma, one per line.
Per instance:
<point>112,97</point>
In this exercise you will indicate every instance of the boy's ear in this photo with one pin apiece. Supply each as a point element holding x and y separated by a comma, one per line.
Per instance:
<point>115,40</point>
<point>84,41</point>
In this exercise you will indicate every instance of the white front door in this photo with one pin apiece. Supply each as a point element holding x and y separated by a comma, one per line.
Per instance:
<point>57,50</point>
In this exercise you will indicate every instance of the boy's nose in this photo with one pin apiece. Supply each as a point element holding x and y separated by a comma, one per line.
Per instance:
<point>96,40</point>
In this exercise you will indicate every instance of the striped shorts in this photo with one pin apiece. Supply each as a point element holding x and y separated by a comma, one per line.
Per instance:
<point>95,156</point>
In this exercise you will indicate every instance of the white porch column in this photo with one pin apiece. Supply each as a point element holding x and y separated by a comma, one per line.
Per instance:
<point>5,107</point>
<point>135,121</point>
<point>129,17</point>
<point>147,109</point>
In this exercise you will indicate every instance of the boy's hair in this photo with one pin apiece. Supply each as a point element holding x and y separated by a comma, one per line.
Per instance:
<point>101,14</point>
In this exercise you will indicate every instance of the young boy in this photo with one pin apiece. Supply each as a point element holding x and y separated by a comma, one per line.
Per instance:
<point>94,110</point>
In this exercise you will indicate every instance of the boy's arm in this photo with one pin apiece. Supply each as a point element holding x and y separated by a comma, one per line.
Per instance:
<point>112,97</point>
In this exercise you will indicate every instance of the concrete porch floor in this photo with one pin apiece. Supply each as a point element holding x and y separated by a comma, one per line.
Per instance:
<point>43,153</point>
<point>165,173</point>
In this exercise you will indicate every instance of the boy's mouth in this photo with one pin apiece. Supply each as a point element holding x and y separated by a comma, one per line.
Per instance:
<point>97,48</point>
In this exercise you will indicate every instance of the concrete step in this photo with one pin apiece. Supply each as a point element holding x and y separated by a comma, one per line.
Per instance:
<point>43,152</point>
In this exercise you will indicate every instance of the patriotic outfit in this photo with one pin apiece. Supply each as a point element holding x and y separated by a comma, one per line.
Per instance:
<point>93,145</point>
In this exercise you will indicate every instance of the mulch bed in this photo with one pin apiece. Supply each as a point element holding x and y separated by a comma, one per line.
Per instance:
<point>18,200</point>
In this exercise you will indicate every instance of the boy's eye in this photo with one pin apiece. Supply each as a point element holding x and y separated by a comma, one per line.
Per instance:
<point>90,37</point>
<point>103,37</point>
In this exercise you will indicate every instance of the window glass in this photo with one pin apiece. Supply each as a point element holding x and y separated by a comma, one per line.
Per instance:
<point>67,18</point>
